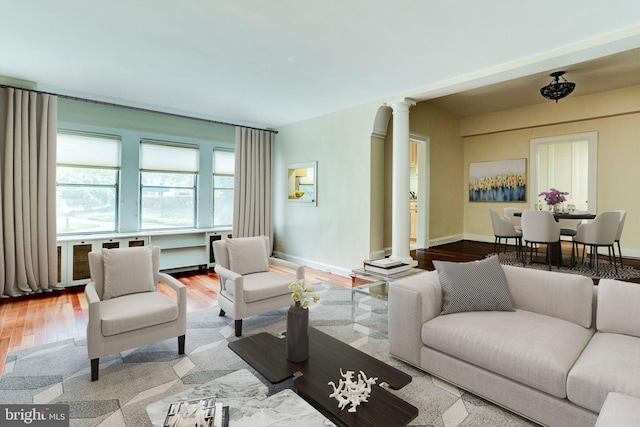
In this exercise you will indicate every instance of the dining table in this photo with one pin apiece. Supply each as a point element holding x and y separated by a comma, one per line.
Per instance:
<point>567,215</point>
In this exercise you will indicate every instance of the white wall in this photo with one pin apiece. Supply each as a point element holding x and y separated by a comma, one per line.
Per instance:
<point>334,235</point>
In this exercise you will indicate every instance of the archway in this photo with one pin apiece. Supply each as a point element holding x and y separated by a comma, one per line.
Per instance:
<point>380,213</point>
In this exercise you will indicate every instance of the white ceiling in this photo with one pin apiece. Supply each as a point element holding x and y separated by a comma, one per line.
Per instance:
<point>270,63</point>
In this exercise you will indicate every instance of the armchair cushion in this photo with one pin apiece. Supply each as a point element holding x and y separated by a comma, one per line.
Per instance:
<point>248,255</point>
<point>261,286</point>
<point>127,271</point>
<point>473,286</point>
<point>136,311</point>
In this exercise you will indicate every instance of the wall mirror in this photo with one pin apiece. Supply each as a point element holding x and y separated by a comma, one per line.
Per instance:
<point>302,183</point>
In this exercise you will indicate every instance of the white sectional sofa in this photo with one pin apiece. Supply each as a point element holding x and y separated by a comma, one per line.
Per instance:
<point>553,360</point>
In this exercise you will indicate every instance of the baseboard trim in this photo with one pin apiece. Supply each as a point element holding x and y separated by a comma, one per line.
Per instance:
<point>338,271</point>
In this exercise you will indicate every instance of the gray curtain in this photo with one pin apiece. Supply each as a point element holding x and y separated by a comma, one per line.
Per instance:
<point>252,215</point>
<point>28,253</point>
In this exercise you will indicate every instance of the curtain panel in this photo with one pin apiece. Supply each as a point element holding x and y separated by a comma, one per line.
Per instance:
<point>28,253</point>
<point>252,195</point>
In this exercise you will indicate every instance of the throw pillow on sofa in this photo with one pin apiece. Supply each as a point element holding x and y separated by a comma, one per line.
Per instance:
<point>473,286</point>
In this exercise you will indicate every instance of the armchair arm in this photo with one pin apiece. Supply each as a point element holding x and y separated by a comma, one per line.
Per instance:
<point>225,274</point>
<point>412,302</point>
<point>299,269</point>
<point>179,288</point>
<point>94,324</point>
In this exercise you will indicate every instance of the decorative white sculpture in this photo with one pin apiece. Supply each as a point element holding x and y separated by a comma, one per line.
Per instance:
<point>351,392</point>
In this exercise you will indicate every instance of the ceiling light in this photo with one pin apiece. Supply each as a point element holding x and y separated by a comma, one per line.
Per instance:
<point>557,89</point>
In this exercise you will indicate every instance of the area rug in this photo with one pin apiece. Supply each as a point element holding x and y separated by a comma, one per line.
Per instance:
<point>132,380</point>
<point>606,270</point>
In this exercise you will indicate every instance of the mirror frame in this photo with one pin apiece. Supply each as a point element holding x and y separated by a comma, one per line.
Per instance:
<point>310,183</point>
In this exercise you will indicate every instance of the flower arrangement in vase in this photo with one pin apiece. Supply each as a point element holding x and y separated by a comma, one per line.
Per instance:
<point>300,293</point>
<point>554,197</point>
<point>298,320</point>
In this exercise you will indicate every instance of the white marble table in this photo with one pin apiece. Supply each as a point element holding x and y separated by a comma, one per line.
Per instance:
<point>248,403</point>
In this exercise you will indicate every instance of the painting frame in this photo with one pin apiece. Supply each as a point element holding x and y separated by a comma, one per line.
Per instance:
<point>302,183</point>
<point>498,181</point>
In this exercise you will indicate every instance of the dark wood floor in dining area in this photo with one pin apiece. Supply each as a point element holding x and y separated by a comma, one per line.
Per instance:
<point>467,250</point>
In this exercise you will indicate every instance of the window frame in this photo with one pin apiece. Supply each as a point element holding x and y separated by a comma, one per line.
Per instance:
<point>214,188</point>
<point>592,173</point>
<point>194,188</point>
<point>116,183</point>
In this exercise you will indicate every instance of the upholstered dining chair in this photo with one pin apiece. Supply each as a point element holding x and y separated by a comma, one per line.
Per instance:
<point>623,217</point>
<point>601,232</point>
<point>247,284</point>
<point>541,227</point>
<point>504,229</point>
<point>569,227</point>
<point>509,212</point>
<point>125,308</point>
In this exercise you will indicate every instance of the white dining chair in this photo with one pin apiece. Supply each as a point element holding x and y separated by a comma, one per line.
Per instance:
<point>504,229</point>
<point>515,220</point>
<point>540,227</point>
<point>601,232</point>
<point>569,227</point>
<point>623,217</point>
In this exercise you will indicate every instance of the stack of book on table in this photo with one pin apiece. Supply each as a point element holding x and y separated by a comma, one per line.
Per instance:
<point>385,266</point>
<point>203,412</point>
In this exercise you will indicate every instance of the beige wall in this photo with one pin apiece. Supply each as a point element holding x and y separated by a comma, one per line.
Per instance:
<point>445,173</point>
<point>446,170</point>
<point>614,115</point>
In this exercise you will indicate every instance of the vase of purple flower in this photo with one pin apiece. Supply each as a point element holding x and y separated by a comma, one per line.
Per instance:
<point>554,198</point>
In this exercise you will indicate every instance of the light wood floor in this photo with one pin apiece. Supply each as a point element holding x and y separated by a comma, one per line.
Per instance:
<point>54,316</point>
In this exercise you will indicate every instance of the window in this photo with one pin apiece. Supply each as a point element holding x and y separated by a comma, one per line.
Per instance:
<point>87,176</point>
<point>223,170</point>
<point>568,163</point>
<point>168,177</point>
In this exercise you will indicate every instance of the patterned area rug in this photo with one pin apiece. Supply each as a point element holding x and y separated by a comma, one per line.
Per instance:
<point>606,270</point>
<point>131,380</point>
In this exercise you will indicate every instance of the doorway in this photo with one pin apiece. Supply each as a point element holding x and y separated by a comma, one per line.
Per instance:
<point>419,185</point>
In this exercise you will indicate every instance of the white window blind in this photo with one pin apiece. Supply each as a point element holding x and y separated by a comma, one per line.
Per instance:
<point>155,156</point>
<point>75,149</point>
<point>223,162</point>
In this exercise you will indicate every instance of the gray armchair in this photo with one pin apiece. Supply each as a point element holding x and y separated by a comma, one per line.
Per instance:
<point>247,285</point>
<point>125,308</point>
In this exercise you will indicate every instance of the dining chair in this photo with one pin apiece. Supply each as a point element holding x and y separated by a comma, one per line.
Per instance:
<point>569,227</point>
<point>601,232</point>
<point>515,220</point>
<point>623,217</point>
<point>541,227</point>
<point>504,229</point>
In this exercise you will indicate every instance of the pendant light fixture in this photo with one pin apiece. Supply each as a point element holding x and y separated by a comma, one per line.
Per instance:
<point>557,89</point>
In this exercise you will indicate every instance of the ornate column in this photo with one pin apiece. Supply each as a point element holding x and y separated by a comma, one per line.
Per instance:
<point>401,227</point>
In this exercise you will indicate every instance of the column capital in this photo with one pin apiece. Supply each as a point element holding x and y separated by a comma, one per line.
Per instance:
<point>401,104</point>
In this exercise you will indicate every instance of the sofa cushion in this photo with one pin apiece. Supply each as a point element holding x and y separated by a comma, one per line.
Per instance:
<point>618,304</point>
<point>473,286</point>
<point>611,362</point>
<point>248,255</point>
<point>127,271</point>
<point>261,286</point>
<point>619,410</point>
<point>527,347</point>
<point>561,295</point>
<point>136,311</point>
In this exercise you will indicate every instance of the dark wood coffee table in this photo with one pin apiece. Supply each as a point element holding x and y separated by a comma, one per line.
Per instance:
<point>327,355</point>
